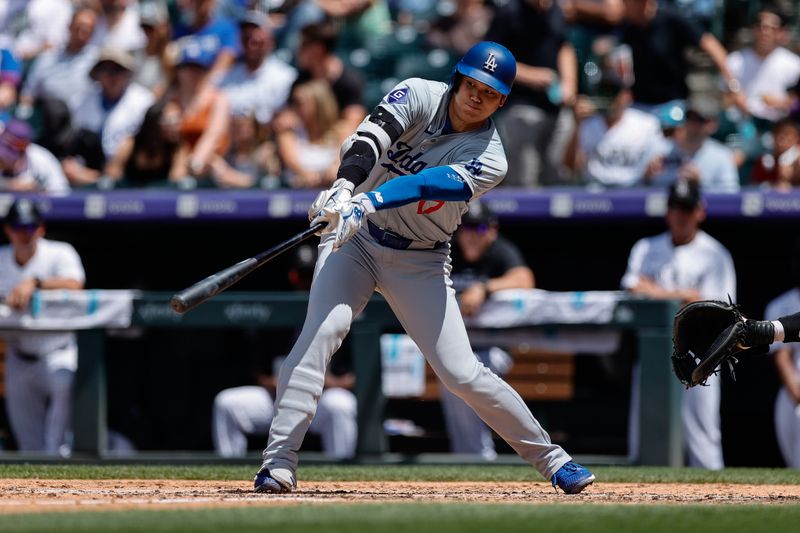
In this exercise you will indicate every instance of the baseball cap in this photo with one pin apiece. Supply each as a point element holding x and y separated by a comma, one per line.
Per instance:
<point>23,213</point>
<point>192,52</point>
<point>152,13</point>
<point>478,214</point>
<point>253,17</point>
<point>114,55</point>
<point>671,114</point>
<point>684,194</point>
<point>14,140</point>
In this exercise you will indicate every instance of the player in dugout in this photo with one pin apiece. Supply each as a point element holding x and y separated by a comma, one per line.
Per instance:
<point>407,176</point>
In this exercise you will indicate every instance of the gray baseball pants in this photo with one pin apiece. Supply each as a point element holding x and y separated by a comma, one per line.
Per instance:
<point>417,286</point>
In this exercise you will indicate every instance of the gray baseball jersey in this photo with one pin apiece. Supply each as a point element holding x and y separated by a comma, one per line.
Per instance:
<point>420,106</point>
<point>415,282</point>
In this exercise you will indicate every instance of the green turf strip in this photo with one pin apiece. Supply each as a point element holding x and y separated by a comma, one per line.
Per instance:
<point>486,472</point>
<point>419,518</point>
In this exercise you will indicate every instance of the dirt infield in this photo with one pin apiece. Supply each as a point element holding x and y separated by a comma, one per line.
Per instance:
<point>26,495</point>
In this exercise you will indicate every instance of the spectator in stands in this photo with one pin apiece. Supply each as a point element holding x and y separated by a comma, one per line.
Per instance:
<point>316,59</point>
<point>27,167</point>
<point>118,26</point>
<point>243,411</point>
<point>259,83</point>
<point>146,158</point>
<point>763,73</point>
<point>760,94</point>
<point>62,73</point>
<point>204,115</point>
<point>307,138</point>
<point>613,143</point>
<point>10,76</point>
<point>154,69</point>
<point>40,366</point>
<point>484,262</point>
<point>786,357</point>
<point>658,37</point>
<point>249,159</point>
<point>690,154</point>
<point>685,264</point>
<point>54,130</point>
<point>35,26</point>
<point>464,27</point>
<point>780,168</point>
<point>537,121</point>
<point>218,36</point>
<point>110,112</point>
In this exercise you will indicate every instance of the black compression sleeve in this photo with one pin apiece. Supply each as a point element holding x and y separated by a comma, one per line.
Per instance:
<point>791,327</point>
<point>359,159</point>
<point>357,163</point>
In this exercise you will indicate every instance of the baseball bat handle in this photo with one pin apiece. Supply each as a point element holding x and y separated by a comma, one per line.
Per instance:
<point>214,284</point>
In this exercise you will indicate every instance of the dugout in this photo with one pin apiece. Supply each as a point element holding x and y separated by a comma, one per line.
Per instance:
<point>584,247</point>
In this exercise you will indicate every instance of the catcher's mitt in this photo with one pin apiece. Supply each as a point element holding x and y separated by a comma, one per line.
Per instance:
<point>707,333</point>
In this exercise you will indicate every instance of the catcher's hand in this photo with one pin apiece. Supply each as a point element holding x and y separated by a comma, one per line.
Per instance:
<point>707,333</point>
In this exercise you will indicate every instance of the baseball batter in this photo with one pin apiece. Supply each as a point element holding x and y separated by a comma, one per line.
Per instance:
<point>416,161</point>
<point>40,366</point>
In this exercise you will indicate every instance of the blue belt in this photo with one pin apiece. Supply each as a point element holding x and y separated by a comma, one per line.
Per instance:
<point>393,240</point>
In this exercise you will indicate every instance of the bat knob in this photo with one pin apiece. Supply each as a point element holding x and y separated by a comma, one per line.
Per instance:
<point>178,304</point>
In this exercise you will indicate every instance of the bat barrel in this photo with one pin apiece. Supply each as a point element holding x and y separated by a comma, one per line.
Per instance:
<point>201,291</point>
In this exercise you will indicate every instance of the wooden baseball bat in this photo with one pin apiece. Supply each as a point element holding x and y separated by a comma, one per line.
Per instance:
<point>214,284</point>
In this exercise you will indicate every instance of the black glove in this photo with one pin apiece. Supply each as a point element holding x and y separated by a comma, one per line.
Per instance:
<point>707,333</point>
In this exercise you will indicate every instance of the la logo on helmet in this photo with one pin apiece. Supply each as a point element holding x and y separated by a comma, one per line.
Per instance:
<point>491,63</point>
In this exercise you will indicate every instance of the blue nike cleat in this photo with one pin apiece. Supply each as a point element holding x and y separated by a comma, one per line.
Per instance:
<point>264,482</point>
<point>572,478</point>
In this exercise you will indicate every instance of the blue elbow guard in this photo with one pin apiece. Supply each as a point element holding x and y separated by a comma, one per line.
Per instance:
<point>437,183</point>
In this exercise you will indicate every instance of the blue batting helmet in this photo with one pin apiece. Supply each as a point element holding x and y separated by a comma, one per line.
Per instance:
<point>489,63</point>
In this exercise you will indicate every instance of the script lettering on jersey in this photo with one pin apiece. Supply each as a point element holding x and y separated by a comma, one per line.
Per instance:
<point>403,161</point>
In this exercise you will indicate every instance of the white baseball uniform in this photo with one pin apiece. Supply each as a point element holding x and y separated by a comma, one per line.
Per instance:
<point>705,265</point>
<point>787,412</point>
<point>415,282</point>
<point>243,411</point>
<point>40,366</point>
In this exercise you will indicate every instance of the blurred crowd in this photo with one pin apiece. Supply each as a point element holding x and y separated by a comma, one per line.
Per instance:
<point>261,93</point>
